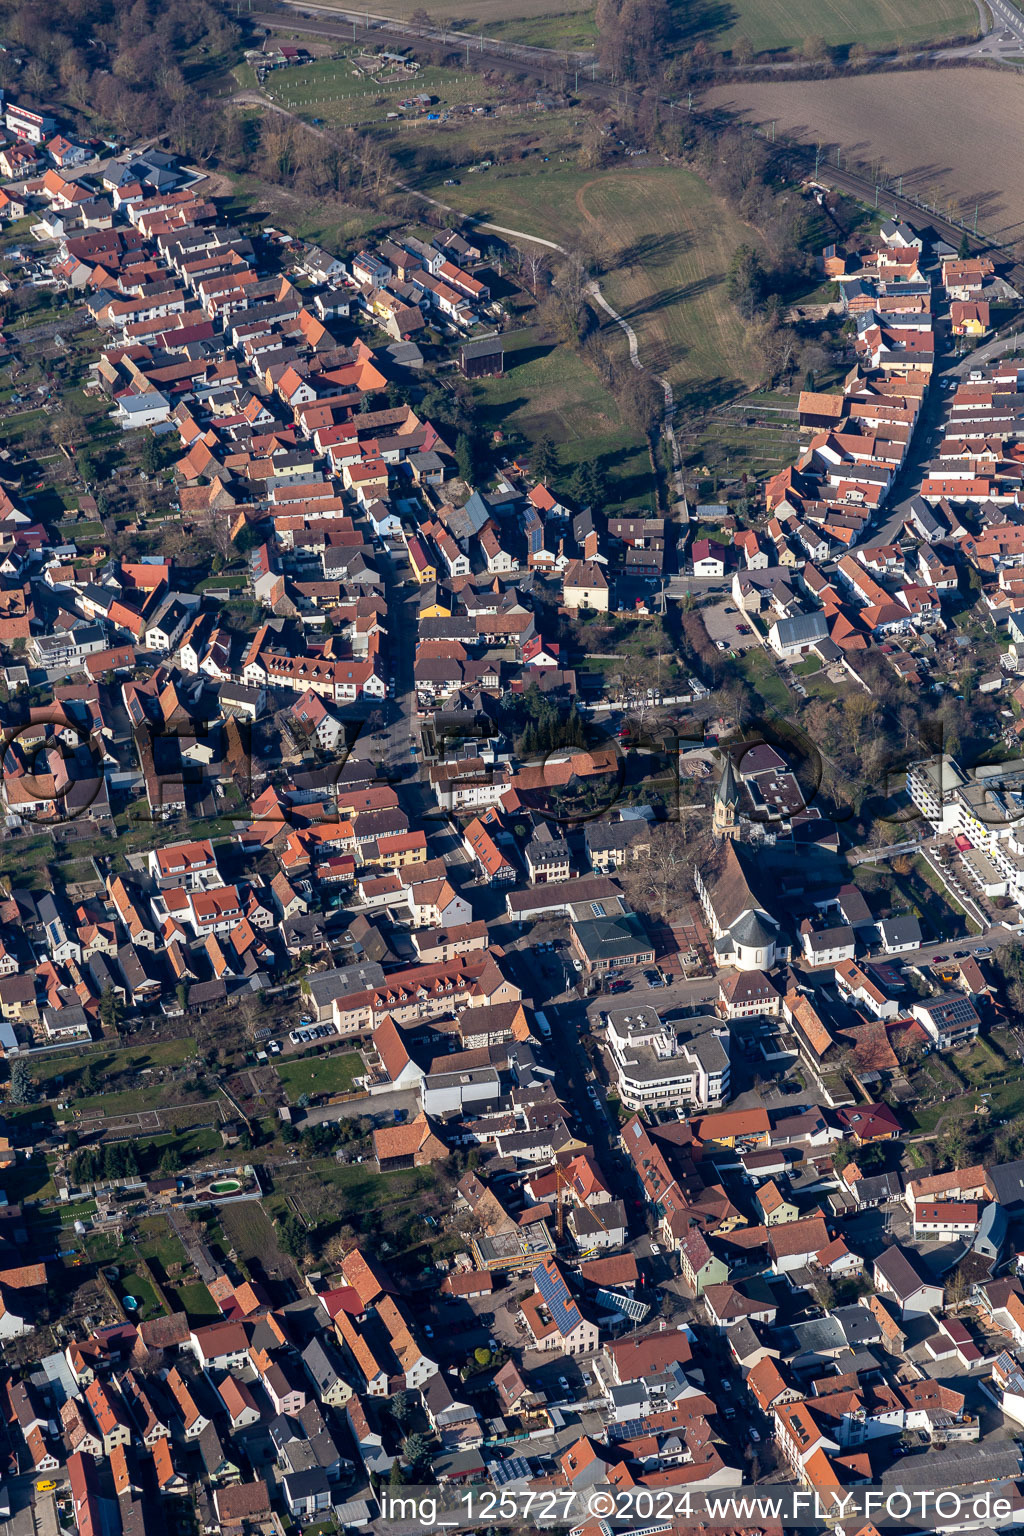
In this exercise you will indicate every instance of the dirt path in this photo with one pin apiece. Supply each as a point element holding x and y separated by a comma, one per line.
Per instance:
<point>667,428</point>
<point>581,206</point>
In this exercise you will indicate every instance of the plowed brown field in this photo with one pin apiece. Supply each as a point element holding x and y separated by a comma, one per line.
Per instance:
<point>952,133</point>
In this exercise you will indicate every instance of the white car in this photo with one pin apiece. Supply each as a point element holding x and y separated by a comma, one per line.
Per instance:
<point>655,1247</point>
<point>721,645</point>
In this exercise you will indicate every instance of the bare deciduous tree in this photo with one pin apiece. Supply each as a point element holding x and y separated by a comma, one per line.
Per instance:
<point>662,880</point>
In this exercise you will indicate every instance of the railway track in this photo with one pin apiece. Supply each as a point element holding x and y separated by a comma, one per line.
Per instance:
<point>354,25</point>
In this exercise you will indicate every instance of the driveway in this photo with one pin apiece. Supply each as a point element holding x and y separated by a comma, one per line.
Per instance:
<point>376,1104</point>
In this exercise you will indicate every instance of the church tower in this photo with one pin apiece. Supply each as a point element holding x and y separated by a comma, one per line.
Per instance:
<point>727,799</point>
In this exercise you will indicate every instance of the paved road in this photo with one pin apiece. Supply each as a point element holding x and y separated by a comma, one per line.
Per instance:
<point>1002,40</point>
<point>678,586</point>
<point>931,430</point>
<point>996,937</point>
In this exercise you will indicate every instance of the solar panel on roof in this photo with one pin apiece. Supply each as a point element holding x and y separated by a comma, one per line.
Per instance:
<point>509,1471</point>
<point>629,1429</point>
<point>956,1010</point>
<point>555,1293</point>
<point>637,1310</point>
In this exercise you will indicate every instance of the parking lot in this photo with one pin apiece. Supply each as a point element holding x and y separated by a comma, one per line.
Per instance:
<point>723,623</point>
<point>701,992</point>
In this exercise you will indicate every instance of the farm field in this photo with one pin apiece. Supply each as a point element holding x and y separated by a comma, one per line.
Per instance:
<point>480,13</point>
<point>891,120</point>
<point>772,24</point>
<point>564,29</point>
<point>768,24</point>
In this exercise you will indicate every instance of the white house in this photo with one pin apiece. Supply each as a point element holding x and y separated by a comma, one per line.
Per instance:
<point>896,1276</point>
<point>708,558</point>
<point>141,410</point>
<point>796,636</point>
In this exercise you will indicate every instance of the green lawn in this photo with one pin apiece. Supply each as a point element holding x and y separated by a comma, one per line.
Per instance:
<point>1007,1098</point>
<point>876,23</point>
<point>329,222</point>
<point>549,390</point>
<point>80,1210</point>
<point>324,1074</point>
<point>75,871</point>
<point>331,90</point>
<point>80,532</point>
<point>29,1180</point>
<point>246,1227</point>
<point>489,17</point>
<point>131,1284</point>
<point>536,196</point>
<point>759,670</point>
<point>157,1243</point>
<point>192,1144</point>
<point>667,242</point>
<point>364,1197</point>
<point>361,1187</point>
<point>70,1064</point>
<point>928,1119</point>
<point>674,240</point>
<point>196,1301</point>
<point>981,1063</point>
<point>102,1247</point>
<point>572,29</point>
<point>127,1103</point>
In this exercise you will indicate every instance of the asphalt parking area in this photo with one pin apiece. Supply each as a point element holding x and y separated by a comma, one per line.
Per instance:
<point>721,623</point>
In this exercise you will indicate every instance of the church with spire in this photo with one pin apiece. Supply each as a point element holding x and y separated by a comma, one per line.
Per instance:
<point>725,813</point>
